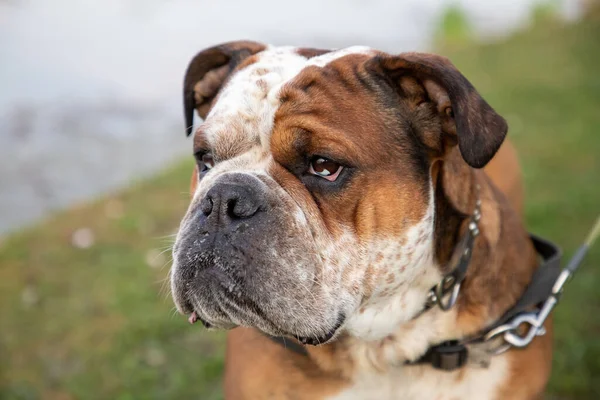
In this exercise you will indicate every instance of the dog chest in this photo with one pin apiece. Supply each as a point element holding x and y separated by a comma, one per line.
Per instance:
<point>426,383</point>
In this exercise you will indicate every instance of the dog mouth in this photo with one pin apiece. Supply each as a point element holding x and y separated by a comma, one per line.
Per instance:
<point>319,340</point>
<point>306,340</point>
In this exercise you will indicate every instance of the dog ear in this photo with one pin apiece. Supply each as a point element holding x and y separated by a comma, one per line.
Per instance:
<point>207,72</point>
<point>466,117</point>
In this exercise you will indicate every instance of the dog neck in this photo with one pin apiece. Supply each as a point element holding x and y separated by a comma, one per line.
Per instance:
<point>501,267</point>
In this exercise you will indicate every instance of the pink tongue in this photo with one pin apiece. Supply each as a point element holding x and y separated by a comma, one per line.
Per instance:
<point>193,318</point>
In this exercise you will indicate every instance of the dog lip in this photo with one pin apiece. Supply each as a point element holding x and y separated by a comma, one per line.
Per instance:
<point>193,318</point>
<point>316,341</point>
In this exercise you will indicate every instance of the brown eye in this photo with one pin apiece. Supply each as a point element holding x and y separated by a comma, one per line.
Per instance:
<point>325,168</point>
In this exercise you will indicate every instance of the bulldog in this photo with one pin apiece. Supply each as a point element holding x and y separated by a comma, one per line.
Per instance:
<point>333,190</point>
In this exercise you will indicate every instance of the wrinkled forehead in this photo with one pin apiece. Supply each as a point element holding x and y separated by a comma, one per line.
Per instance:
<point>242,116</point>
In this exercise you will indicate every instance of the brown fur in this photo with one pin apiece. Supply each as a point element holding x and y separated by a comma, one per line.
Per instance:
<point>361,139</point>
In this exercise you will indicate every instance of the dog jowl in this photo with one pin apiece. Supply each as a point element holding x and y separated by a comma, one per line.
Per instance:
<point>313,210</point>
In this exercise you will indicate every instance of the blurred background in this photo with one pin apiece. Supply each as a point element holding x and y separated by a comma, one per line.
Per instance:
<point>95,167</point>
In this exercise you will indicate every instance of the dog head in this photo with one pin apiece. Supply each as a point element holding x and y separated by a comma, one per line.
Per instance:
<point>313,206</point>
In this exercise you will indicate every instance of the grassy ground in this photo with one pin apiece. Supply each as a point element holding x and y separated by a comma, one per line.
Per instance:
<point>97,322</point>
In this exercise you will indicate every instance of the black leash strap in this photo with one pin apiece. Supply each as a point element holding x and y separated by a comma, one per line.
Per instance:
<point>540,287</point>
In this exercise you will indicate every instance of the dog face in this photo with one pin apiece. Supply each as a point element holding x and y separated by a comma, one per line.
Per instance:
<point>313,205</point>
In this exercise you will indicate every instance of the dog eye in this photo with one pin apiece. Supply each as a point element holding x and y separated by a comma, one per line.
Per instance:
<point>325,168</point>
<point>205,161</point>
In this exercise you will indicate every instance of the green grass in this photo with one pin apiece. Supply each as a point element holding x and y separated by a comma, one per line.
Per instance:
<point>97,323</point>
<point>102,325</point>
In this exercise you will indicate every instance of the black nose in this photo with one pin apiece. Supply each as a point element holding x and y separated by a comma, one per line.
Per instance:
<point>227,202</point>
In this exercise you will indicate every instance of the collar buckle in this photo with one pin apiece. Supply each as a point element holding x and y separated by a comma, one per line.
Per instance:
<point>449,356</point>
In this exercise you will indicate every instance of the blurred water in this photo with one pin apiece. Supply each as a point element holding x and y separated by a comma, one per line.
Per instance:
<point>90,89</point>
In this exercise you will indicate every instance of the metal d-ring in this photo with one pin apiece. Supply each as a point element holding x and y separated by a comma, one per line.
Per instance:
<point>501,330</point>
<point>439,294</point>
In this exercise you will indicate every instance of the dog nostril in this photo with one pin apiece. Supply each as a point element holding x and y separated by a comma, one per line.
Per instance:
<point>206,206</point>
<point>237,208</point>
<point>231,209</point>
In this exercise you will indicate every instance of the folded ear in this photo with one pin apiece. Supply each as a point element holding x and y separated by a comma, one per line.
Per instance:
<point>207,72</point>
<point>466,117</point>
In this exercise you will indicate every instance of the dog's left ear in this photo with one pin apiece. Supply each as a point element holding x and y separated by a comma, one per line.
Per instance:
<point>208,71</point>
<point>465,115</point>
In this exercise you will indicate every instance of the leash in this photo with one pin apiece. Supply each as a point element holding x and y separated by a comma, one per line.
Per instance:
<point>536,320</point>
<point>542,295</point>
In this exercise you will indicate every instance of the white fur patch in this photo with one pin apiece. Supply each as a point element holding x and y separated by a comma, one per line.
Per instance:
<point>425,383</point>
<point>405,270</point>
<point>250,99</point>
<point>326,58</point>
